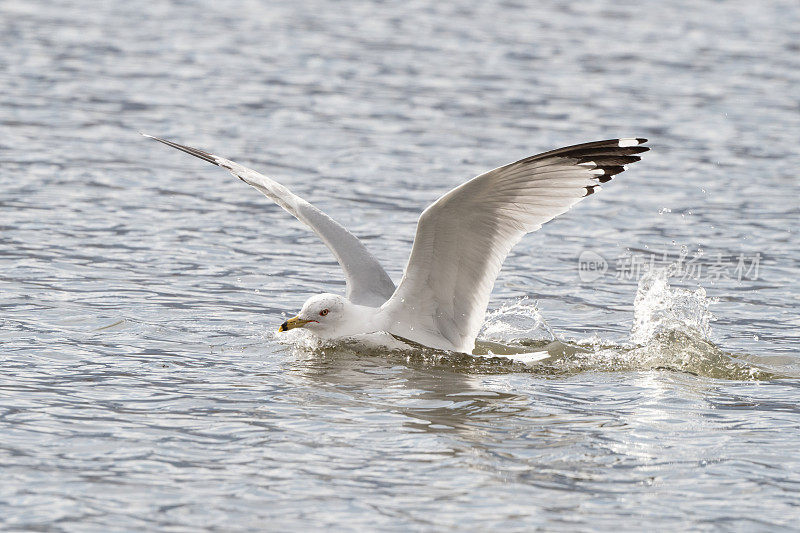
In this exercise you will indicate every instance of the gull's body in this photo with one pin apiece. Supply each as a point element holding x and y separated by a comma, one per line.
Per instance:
<point>459,248</point>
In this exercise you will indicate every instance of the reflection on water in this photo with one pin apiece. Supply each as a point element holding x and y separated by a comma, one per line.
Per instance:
<point>436,402</point>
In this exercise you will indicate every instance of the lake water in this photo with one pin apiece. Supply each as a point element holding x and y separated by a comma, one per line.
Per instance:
<point>143,385</point>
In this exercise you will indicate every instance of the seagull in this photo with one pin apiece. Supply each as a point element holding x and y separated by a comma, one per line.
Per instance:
<point>461,242</point>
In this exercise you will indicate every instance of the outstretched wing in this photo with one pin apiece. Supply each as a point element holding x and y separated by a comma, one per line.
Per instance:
<point>463,238</point>
<point>367,281</point>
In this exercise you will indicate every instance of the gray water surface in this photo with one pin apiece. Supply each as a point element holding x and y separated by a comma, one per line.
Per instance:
<point>143,386</point>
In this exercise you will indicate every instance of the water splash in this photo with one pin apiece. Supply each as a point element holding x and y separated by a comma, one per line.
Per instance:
<point>517,320</point>
<point>659,308</point>
<point>671,331</point>
<point>298,339</point>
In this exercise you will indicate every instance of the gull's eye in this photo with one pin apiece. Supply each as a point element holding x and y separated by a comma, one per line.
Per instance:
<point>323,312</point>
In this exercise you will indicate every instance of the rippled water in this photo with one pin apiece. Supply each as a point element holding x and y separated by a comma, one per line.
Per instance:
<point>142,383</point>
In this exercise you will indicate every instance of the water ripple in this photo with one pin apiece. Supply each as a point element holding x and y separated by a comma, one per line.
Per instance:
<point>143,387</point>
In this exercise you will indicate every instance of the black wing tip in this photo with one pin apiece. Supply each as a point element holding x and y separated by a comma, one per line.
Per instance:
<point>623,146</point>
<point>205,156</point>
<point>642,140</point>
<point>610,157</point>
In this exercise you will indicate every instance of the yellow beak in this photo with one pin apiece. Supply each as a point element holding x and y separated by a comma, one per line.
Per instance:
<point>294,322</point>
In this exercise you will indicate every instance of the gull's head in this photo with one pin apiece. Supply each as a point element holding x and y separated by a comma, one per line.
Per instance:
<point>322,314</point>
